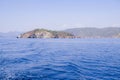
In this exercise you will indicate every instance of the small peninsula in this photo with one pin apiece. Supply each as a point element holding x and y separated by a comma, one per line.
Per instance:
<point>44,33</point>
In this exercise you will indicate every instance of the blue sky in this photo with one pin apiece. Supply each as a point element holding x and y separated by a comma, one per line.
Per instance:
<point>24,15</point>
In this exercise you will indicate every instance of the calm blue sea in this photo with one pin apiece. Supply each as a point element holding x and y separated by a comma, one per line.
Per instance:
<point>59,59</point>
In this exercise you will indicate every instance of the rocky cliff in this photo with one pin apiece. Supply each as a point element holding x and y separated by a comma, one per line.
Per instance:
<point>43,33</point>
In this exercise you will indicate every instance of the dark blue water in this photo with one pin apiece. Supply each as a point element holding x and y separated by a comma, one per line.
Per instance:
<point>59,59</point>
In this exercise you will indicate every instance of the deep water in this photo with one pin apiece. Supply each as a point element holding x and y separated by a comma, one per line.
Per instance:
<point>59,59</point>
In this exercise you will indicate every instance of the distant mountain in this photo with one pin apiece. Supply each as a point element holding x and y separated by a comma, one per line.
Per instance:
<point>9,34</point>
<point>44,33</point>
<point>109,32</point>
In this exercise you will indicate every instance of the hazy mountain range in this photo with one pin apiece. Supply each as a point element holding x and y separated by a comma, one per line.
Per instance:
<point>9,34</point>
<point>109,32</point>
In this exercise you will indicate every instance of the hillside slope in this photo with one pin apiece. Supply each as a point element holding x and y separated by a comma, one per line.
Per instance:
<point>109,32</point>
<point>43,33</point>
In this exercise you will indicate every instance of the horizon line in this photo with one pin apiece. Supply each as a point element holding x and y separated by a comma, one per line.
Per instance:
<point>55,29</point>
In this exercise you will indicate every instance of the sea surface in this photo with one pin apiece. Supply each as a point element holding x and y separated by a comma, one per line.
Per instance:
<point>59,59</point>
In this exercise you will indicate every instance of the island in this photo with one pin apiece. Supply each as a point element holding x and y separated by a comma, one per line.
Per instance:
<point>88,32</point>
<point>44,33</point>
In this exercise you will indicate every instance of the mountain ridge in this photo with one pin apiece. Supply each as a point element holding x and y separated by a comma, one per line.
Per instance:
<point>86,32</point>
<point>91,32</point>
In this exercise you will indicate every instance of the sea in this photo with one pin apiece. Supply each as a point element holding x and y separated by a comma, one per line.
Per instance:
<point>59,59</point>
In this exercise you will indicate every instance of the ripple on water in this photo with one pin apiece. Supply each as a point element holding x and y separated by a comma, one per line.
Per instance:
<point>29,59</point>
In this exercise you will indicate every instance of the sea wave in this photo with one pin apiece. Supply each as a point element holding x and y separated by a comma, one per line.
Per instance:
<point>59,59</point>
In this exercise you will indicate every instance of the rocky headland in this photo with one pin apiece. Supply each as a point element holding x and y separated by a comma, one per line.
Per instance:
<point>44,33</point>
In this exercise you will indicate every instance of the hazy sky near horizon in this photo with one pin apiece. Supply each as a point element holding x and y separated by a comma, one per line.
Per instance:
<point>24,15</point>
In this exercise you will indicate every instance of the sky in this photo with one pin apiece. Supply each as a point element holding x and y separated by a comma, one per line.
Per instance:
<point>25,15</point>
